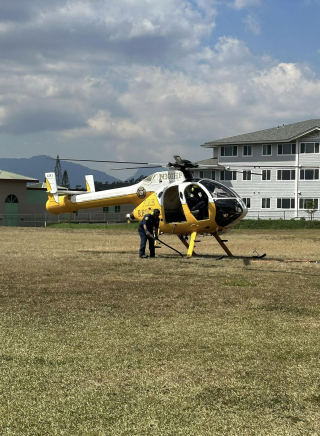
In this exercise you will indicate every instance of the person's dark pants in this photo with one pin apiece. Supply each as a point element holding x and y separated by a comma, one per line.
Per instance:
<point>143,242</point>
<point>201,208</point>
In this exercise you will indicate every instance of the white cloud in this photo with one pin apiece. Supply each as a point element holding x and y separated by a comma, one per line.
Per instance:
<point>2,115</point>
<point>167,108</point>
<point>137,78</point>
<point>252,24</point>
<point>239,4</point>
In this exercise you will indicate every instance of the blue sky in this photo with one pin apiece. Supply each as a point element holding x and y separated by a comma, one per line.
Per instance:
<point>286,30</point>
<point>144,80</point>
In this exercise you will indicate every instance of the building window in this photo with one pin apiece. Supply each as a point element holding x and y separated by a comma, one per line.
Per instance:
<point>11,198</point>
<point>309,147</point>
<point>246,175</point>
<point>266,150</point>
<point>247,150</point>
<point>106,209</point>
<point>285,203</point>
<point>303,202</point>
<point>312,174</point>
<point>286,148</point>
<point>265,203</point>
<point>247,202</point>
<point>266,175</point>
<point>229,150</point>
<point>286,175</point>
<point>117,209</point>
<point>228,175</point>
<point>208,175</point>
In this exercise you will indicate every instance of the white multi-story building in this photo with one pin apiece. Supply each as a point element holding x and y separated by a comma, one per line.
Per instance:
<point>276,171</point>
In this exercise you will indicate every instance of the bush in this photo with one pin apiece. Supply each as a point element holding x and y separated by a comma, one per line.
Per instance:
<point>277,224</point>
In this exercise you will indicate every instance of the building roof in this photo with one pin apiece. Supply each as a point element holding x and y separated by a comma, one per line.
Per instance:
<point>210,161</point>
<point>209,164</point>
<point>6,175</point>
<point>284,133</point>
<point>42,186</point>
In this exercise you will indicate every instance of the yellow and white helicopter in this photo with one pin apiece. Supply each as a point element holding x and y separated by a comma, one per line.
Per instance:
<point>167,191</point>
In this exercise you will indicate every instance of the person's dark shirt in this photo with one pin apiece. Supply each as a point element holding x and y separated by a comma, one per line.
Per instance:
<point>150,221</point>
<point>193,200</point>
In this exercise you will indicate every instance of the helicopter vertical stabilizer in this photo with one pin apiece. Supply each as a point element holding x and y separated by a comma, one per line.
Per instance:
<point>52,189</point>
<point>90,184</point>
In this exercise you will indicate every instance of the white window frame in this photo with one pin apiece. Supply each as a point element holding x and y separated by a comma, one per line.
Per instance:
<point>246,147</point>
<point>267,154</point>
<point>234,176</point>
<point>309,169</point>
<point>234,148</point>
<point>304,144</point>
<point>305,200</point>
<point>292,203</point>
<point>292,172</point>
<point>244,175</point>
<point>266,180</point>
<point>266,207</point>
<point>286,154</point>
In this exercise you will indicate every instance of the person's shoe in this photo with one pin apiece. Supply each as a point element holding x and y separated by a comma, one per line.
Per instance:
<point>144,256</point>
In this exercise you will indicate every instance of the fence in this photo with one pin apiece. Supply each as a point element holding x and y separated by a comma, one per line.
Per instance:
<point>281,214</point>
<point>46,219</point>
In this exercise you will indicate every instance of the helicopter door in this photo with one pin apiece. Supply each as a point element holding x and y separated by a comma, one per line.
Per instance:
<point>197,202</point>
<point>172,206</point>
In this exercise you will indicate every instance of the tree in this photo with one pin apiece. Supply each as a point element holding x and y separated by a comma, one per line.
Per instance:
<point>65,179</point>
<point>58,171</point>
<point>311,208</point>
<point>105,186</point>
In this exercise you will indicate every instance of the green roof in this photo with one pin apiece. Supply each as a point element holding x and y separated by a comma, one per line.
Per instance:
<point>284,133</point>
<point>6,175</point>
<point>43,185</point>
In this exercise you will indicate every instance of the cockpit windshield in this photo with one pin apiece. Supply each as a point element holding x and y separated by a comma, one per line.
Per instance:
<point>217,190</point>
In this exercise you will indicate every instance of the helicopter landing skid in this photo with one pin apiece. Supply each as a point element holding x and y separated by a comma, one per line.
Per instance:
<point>245,258</point>
<point>222,244</point>
<point>185,243</point>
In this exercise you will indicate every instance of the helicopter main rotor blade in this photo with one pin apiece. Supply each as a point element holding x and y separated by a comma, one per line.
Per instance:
<point>136,168</point>
<point>209,166</point>
<point>109,161</point>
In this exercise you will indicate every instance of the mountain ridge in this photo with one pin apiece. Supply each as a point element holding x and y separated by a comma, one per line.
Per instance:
<point>37,166</point>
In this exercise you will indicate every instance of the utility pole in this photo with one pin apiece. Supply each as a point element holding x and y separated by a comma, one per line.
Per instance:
<point>58,171</point>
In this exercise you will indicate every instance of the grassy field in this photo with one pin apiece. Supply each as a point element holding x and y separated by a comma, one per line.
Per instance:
<point>95,341</point>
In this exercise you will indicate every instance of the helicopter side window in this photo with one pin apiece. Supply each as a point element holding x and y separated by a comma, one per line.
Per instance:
<point>217,190</point>
<point>148,179</point>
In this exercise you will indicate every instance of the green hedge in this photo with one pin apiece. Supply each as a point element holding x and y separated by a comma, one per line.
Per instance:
<point>278,224</point>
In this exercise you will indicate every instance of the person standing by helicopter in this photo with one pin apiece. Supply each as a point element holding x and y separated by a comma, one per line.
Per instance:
<point>148,230</point>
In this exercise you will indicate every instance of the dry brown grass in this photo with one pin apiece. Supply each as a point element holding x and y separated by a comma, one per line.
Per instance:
<point>95,341</point>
